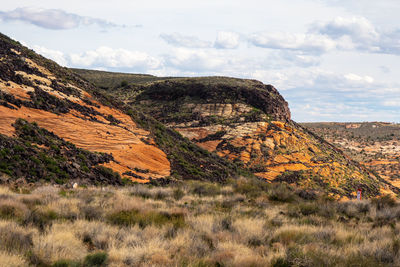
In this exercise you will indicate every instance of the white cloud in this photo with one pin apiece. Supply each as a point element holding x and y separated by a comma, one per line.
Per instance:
<point>344,34</point>
<point>360,34</point>
<point>294,58</point>
<point>180,40</point>
<point>359,28</point>
<point>351,77</point>
<point>227,40</point>
<point>319,95</point>
<point>198,60</point>
<point>310,43</point>
<point>114,58</point>
<point>55,19</point>
<point>55,55</point>
<point>392,103</point>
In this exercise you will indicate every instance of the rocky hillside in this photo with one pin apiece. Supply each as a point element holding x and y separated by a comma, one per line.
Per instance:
<point>373,144</point>
<point>57,127</point>
<point>246,122</point>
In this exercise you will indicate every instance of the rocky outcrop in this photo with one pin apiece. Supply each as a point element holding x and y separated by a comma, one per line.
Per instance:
<point>219,90</point>
<point>37,154</point>
<point>71,110</point>
<point>30,91</point>
<point>249,123</point>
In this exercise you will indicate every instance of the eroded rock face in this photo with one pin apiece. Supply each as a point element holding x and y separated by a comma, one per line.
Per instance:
<point>61,104</point>
<point>219,109</point>
<point>373,144</point>
<point>250,124</point>
<point>275,150</point>
<point>215,94</point>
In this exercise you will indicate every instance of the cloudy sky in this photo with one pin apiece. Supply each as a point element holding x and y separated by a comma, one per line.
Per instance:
<point>333,60</point>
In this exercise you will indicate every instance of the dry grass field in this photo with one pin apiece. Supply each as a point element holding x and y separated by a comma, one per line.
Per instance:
<point>242,223</point>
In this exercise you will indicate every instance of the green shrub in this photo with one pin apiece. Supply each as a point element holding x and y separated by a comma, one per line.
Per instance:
<point>108,173</point>
<point>97,259</point>
<point>384,201</point>
<point>227,224</point>
<point>251,187</point>
<point>15,239</point>
<point>11,210</point>
<point>292,236</point>
<point>178,193</point>
<point>40,219</point>
<point>281,193</point>
<point>124,83</point>
<point>66,263</point>
<point>280,262</point>
<point>205,189</point>
<point>145,218</point>
<point>90,212</point>
<point>308,208</point>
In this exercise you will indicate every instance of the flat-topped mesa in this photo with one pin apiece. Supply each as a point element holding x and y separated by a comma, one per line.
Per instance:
<point>220,90</point>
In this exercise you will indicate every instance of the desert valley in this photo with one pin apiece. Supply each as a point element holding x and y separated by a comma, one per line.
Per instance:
<point>199,133</point>
<point>113,169</point>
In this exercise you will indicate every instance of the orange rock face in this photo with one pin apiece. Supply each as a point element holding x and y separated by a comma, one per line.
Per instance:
<point>125,145</point>
<point>131,146</point>
<point>271,149</point>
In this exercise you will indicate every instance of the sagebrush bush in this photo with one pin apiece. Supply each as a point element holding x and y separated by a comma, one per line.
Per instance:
<point>14,238</point>
<point>384,201</point>
<point>97,259</point>
<point>281,193</point>
<point>205,188</point>
<point>145,218</point>
<point>12,209</point>
<point>250,187</point>
<point>58,244</point>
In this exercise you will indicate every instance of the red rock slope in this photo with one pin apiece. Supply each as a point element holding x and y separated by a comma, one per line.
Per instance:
<point>37,90</point>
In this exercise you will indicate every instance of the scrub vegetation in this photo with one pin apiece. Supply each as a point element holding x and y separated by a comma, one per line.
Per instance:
<point>243,222</point>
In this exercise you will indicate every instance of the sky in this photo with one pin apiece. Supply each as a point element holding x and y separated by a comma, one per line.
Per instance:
<point>332,60</point>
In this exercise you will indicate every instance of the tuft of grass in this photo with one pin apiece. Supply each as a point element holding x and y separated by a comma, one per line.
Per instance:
<point>281,193</point>
<point>40,218</point>
<point>66,263</point>
<point>178,194</point>
<point>97,259</point>
<point>12,209</point>
<point>146,218</point>
<point>14,238</point>
<point>12,260</point>
<point>58,244</point>
<point>384,201</point>
<point>251,187</point>
<point>204,188</point>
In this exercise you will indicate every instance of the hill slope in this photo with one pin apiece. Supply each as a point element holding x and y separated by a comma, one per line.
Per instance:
<point>67,120</point>
<point>246,122</point>
<point>374,144</point>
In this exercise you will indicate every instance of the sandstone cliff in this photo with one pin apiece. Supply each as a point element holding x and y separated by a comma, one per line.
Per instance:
<point>248,123</point>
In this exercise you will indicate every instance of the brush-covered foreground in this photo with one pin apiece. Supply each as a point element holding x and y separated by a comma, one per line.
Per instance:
<point>242,223</point>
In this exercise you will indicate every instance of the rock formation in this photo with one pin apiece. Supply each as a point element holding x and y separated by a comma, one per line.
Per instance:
<point>55,99</point>
<point>248,123</point>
